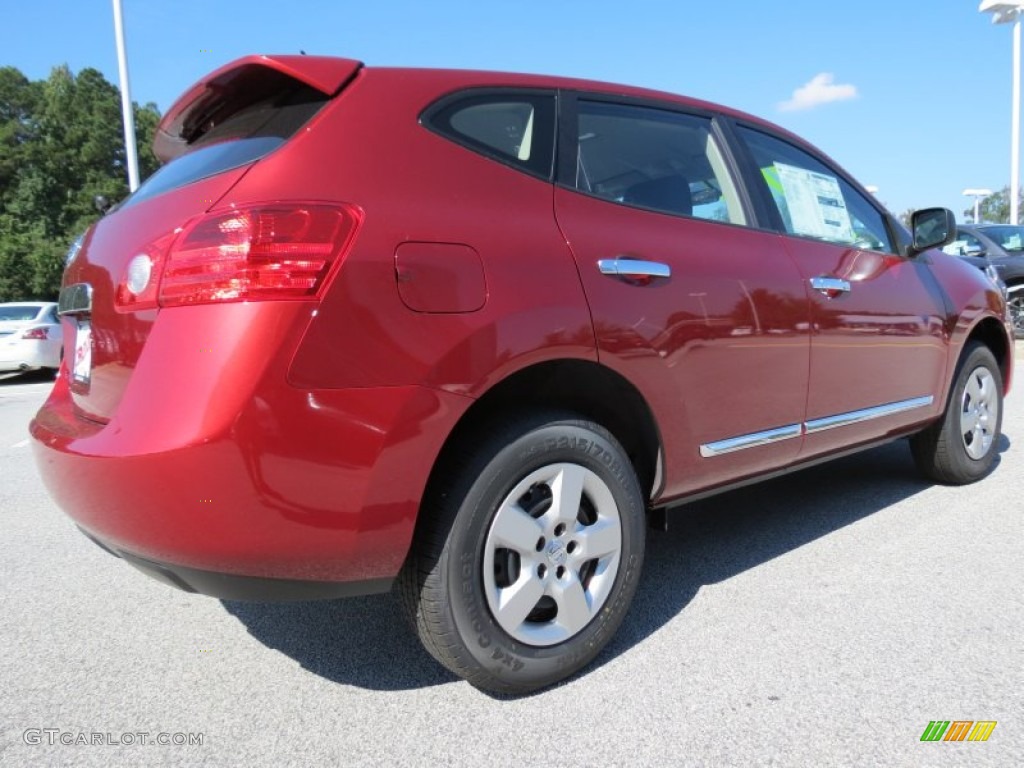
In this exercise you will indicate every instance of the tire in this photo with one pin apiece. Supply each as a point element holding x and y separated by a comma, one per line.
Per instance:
<point>961,446</point>
<point>527,554</point>
<point>1015,309</point>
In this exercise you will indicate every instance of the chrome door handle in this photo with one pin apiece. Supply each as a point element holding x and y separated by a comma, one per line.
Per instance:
<point>633,268</point>
<point>830,286</point>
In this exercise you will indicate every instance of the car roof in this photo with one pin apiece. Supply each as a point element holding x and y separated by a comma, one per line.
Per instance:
<point>328,74</point>
<point>463,78</point>
<point>452,80</point>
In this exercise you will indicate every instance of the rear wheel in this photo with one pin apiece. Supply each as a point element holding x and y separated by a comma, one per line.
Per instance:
<point>528,555</point>
<point>961,447</point>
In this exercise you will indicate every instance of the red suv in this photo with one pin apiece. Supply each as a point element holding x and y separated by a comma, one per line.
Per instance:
<point>463,332</point>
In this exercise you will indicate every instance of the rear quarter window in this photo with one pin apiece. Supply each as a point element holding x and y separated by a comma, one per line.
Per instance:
<point>514,127</point>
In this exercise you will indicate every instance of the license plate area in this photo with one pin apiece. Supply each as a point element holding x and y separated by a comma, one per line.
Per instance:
<point>81,367</point>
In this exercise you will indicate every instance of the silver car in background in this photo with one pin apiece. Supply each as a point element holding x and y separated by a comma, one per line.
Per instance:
<point>30,336</point>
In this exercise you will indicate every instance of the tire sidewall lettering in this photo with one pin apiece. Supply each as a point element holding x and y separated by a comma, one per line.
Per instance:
<point>489,645</point>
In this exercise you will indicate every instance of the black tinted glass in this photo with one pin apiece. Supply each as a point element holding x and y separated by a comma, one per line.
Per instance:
<point>243,138</point>
<point>515,127</point>
<point>204,162</point>
<point>656,159</point>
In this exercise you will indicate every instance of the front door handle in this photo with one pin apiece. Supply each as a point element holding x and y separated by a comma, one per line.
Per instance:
<point>830,286</point>
<point>634,269</point>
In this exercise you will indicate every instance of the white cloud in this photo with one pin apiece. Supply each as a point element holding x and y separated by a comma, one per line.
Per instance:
<point>820,90</point>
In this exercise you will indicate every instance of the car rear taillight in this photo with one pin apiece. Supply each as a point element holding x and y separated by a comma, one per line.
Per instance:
<point>262,252</point>
<point>35,333</point>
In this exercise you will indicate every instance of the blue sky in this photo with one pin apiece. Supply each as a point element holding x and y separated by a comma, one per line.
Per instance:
<point>921,89</point>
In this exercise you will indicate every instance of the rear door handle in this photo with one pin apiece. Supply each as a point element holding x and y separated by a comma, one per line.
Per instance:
<point>830,286</point>
<point>633,268</point>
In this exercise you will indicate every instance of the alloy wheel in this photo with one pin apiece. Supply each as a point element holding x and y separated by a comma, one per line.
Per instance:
<point>552,554</point>
<point>979,413</point>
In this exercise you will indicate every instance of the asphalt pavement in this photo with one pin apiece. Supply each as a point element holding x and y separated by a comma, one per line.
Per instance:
<point>822,619</point>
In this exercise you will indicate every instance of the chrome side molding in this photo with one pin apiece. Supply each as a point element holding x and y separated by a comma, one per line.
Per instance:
<point>752,440</point>
<point>867,414</point>
<point>768,436</point>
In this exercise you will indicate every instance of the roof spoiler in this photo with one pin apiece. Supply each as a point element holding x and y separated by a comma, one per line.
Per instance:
<point>239,84</point>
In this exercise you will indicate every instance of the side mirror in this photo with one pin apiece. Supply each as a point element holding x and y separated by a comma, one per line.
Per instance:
<point>932,228</point>
<point>975,250</point>
<point>101,203</point>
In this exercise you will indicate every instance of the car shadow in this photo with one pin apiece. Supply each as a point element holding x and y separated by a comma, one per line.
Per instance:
<point>366,642</point>
<point>359,641</point>
<point>26,377</point>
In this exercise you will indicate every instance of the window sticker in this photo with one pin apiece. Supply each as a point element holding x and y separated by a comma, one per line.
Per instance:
<point>815,204</point>
<point>956,248</point>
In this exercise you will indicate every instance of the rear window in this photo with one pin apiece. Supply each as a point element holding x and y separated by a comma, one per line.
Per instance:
<point>244,137</point>
<point>18,313</point>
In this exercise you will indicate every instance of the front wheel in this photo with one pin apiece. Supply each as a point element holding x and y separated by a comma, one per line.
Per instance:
<point>528,555</point>
<point>961,447</point>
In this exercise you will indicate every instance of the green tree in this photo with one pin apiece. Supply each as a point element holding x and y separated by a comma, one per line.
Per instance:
<point>995,208</point>
<point>61,144</point>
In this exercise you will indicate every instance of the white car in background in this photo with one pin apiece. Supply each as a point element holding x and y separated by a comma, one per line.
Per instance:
<point>30,336</point>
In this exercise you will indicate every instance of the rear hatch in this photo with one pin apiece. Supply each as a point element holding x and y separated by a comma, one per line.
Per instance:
<point>113,289</point>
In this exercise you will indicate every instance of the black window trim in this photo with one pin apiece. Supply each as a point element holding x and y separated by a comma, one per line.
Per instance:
<point>432,118</point>
<point>565,175</point>
<point>752,179</point>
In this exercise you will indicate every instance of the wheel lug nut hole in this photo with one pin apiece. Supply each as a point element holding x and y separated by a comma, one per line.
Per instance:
<point>560,571</point>
<point>540,544</point>
<point>542,571</point>
<point>570,547</point>
<point>559,529</point>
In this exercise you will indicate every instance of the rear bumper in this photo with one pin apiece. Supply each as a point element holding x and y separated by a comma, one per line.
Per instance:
<point>227,586</point>
<point>26,355</point>
<point>319,488</point>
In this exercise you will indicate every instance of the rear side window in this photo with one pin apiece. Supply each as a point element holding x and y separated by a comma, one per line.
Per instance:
<point>243,137</point>
<point>516,128</point>
<point>656,159</point>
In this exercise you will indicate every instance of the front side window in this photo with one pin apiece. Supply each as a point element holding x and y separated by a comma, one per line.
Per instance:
<point>655,159</point>
<point>813,200</point>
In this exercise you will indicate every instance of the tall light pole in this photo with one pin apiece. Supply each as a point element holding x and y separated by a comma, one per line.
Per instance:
<point>1010,13</point>
<point>977,194</point>
<point>130,152</point>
